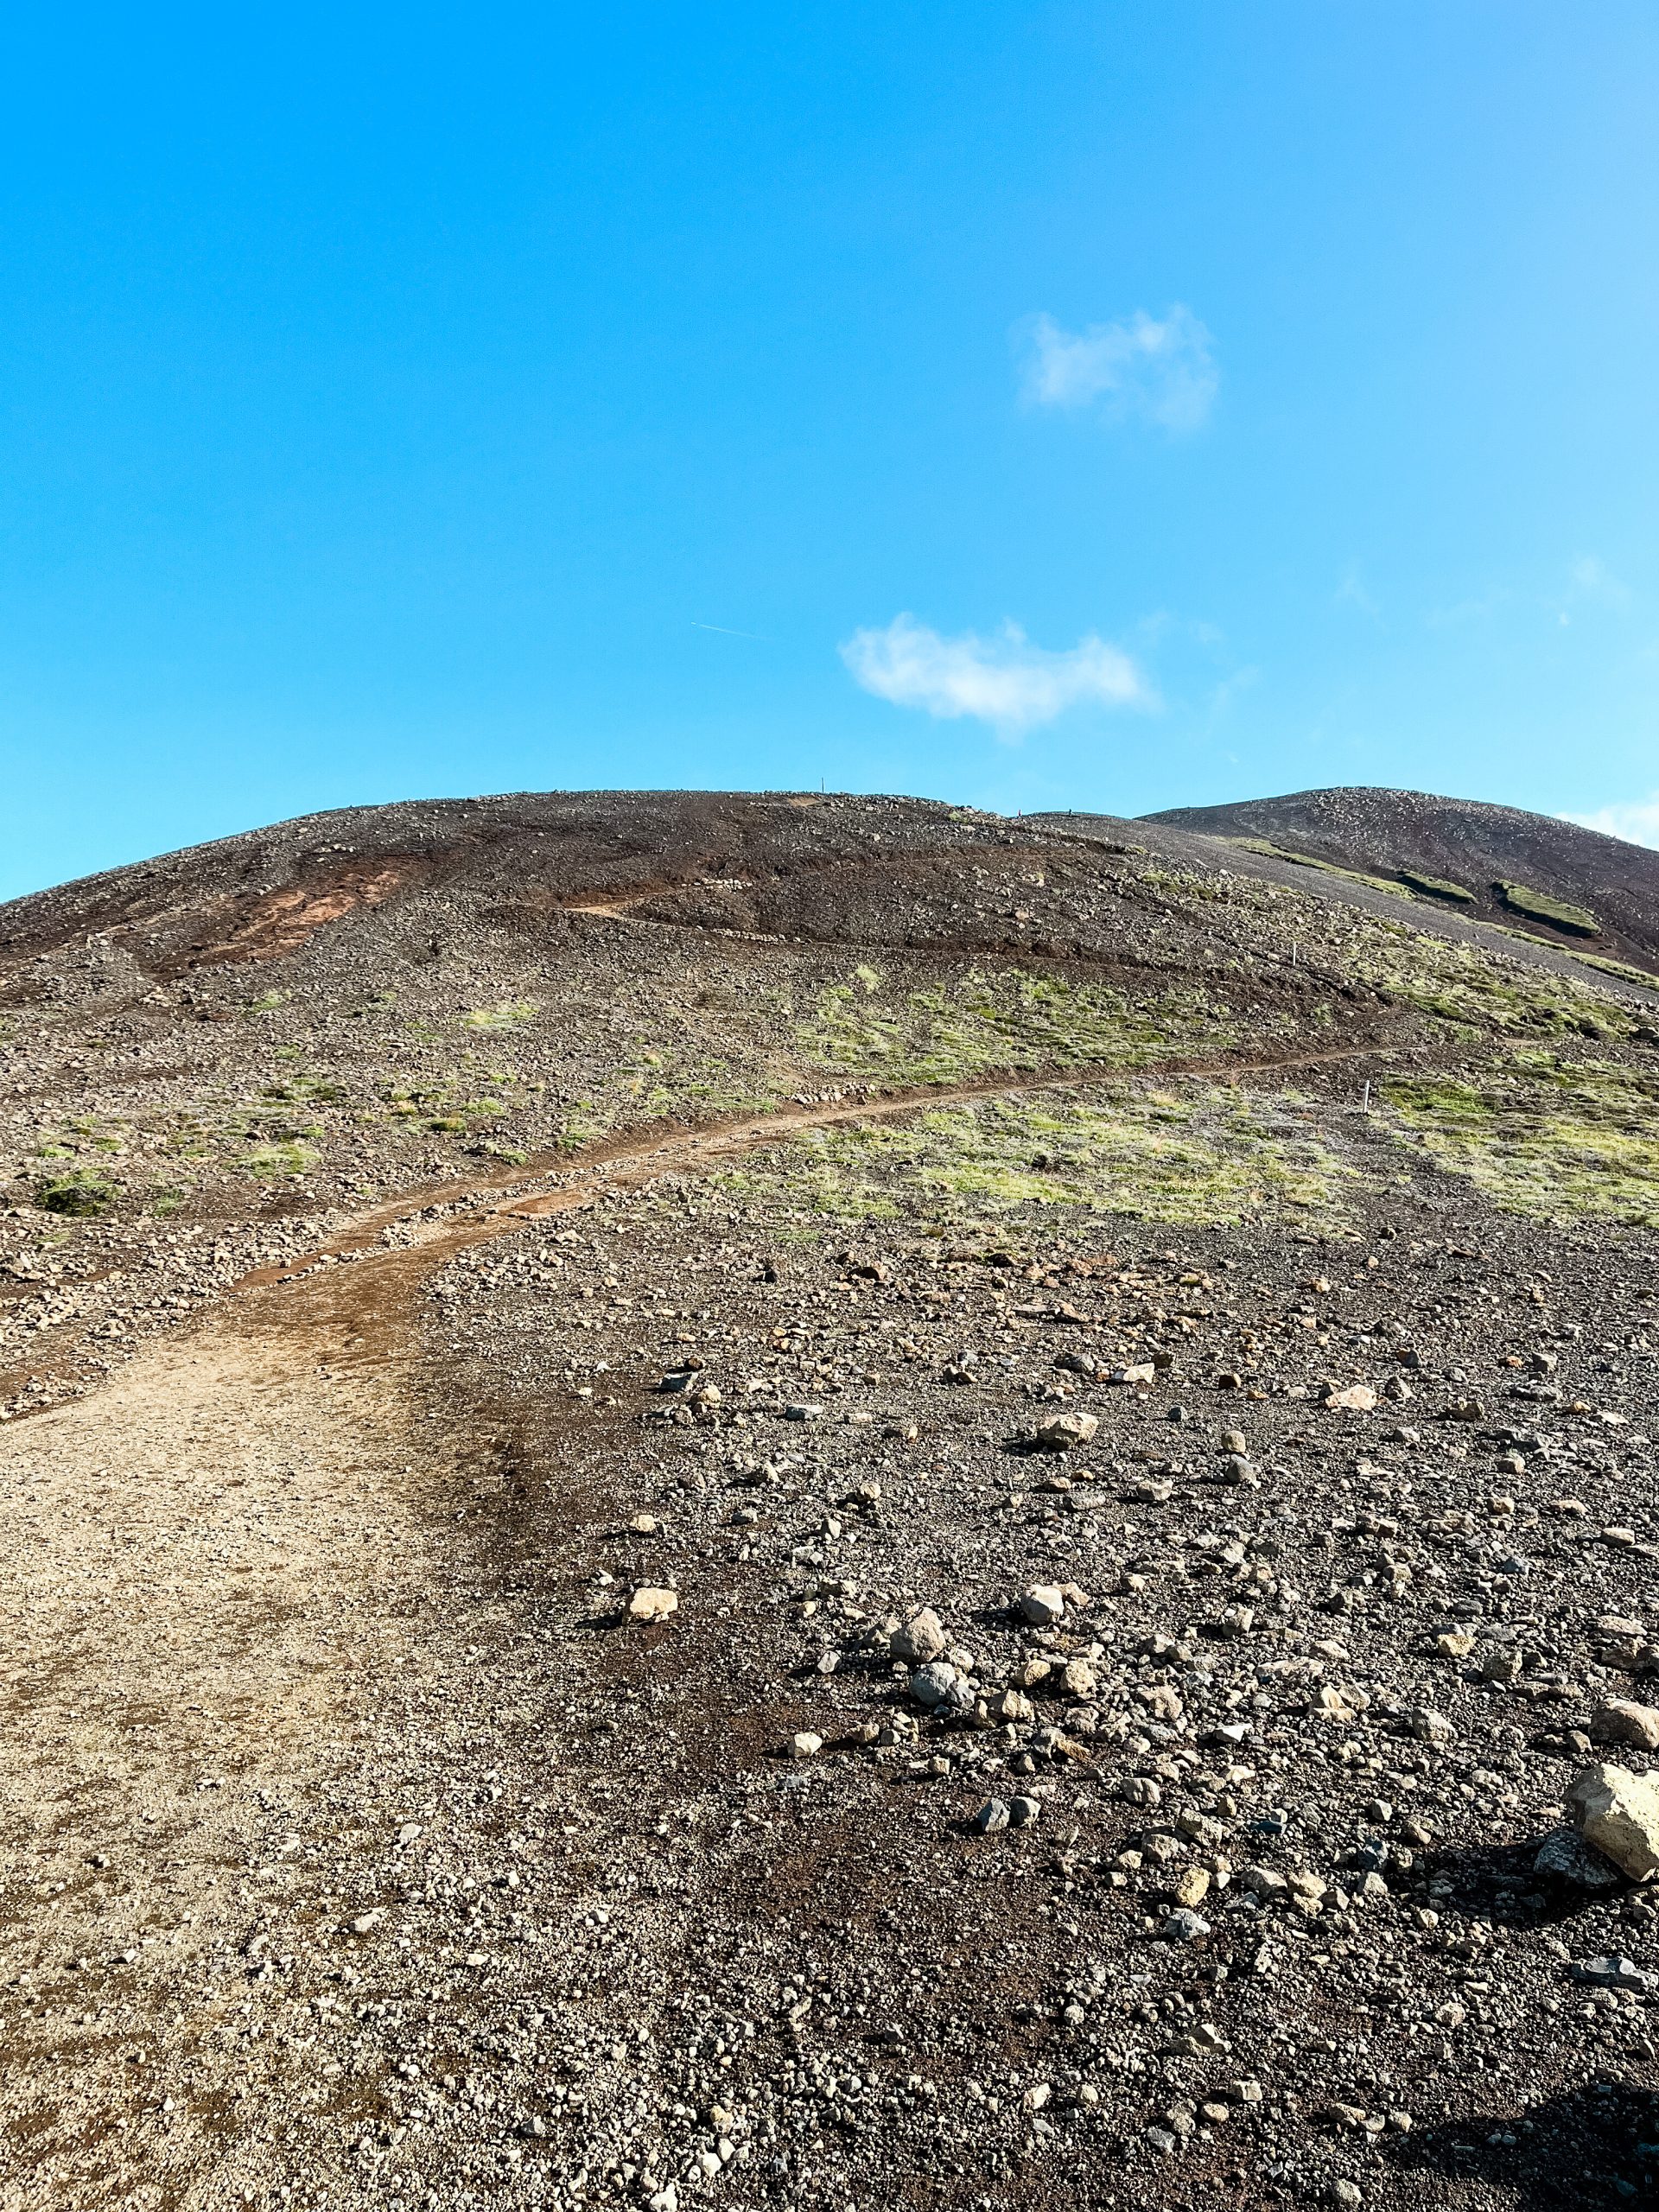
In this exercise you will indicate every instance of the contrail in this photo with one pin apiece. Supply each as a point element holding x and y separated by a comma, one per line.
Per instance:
<point>752,635</point>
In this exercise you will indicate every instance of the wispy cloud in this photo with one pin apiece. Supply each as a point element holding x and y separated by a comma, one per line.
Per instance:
<point>1462,612</point>
<point>1163,370</point>
<point>1352,592</point>
<point>1003,680</point>
<point>1591,582</point>
<point>1635,820</point>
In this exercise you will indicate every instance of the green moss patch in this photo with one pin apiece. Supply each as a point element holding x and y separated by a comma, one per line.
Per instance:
<point>80,1194</point>
<point>1437,887</point>
<point>1271,851</point>
<point>1539,906</point>
<point>1542,1135</point>
<point>984,1023</point>
<point>1193,1152</point>
<point>1474,989</point>
<point>268,1162</point>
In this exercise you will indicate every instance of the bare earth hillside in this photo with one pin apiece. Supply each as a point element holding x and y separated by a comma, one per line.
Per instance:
<point>796,1500</point>
<point>1529,871</point>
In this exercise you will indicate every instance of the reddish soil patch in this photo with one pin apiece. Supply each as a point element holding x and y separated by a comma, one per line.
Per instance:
<point>283,920</point>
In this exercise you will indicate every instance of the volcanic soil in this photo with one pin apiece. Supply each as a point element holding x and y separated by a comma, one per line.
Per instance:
<point>796,1499</point>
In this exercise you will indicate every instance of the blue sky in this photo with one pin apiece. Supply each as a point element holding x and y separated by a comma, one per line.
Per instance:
<point>1077,406</point>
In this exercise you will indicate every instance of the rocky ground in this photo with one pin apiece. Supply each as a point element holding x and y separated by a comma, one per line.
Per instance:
<point>1021,1634</point>
<point>1472,858</point>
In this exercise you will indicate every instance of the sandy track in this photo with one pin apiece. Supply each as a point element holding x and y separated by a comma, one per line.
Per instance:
<point>203,1576</point>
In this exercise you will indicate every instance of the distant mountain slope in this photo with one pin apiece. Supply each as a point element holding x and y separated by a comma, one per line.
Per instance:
<point>1528,871</point>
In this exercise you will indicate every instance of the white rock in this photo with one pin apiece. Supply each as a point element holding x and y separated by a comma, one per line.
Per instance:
<point>922,1638</point>
<point>1042,1605</point>
<point>1357,1398</point>
<point>1619,1813</point>
<point>649,1604</point>
<point>1061,1431</point>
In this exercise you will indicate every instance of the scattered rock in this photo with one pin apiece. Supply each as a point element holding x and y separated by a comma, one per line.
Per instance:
<point>1042,1605</point>
<point>940,1686</point>
<point>1564,1856</point>
<point>1061,1431</point>
<point>1357,1398</point>
<point>1618,1812</point>
<point>1622,1721</point>
<point>921,1640</point>
<point>1185,1926</point>
<point>1611,1972</point>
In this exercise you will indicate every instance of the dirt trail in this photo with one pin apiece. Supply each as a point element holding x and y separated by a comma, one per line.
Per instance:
<point>206,1573</point>
<point>627,1161</point>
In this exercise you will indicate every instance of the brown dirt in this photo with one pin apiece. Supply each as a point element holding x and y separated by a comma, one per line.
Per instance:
<point>284,920</point>
<point>204,1573</point>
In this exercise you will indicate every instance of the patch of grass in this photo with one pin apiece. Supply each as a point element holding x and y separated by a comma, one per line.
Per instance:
<point>513,1013</point>
<point>1478,991</point>
<point>269,1161</point>
<point>1543,1136</point>
<point>1437,887</point>
<point>1010,1019</point>
<point>310,1090</point>
<point>80,1134</point>
<point>267,1002</point>
<point>1539,906</point>
<point>582,1125</point>
<point>82,1194</point>
<point>1622,969</point>
<point>1325,867</point>
<point>1195,1154</point>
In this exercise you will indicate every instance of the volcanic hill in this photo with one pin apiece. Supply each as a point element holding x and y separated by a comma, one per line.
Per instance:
<point>796,1499</point>
<point>1531,871</point>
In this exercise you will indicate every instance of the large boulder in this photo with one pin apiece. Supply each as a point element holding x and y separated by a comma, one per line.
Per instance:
<point>1618,1812</point>
<point>921,1640</point>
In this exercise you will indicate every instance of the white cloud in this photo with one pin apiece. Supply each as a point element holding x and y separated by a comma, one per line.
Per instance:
<point>1465,612</point>
<point>1352,592</point>
<point>1593,579</point>
<point>1636,820</point>
<point>1004,680</point>
<point>1165,371</point>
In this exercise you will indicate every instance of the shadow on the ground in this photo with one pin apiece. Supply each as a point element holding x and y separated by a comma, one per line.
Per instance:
<point>1500,1882</point>
<point>1587,2147</point>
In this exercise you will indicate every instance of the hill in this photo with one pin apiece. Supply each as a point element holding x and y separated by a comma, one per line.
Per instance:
<point>756,1498</point>
<point>1529,871</point>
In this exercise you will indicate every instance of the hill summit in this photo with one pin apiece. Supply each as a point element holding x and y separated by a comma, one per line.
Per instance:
<point>1531,871</point>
